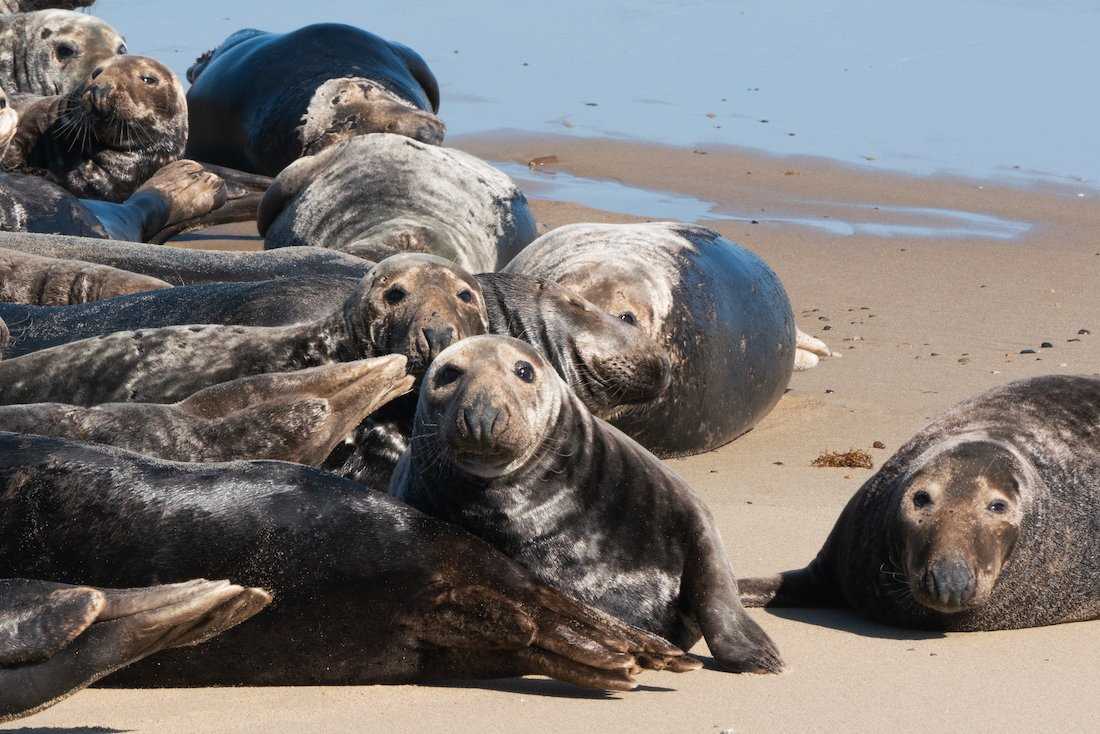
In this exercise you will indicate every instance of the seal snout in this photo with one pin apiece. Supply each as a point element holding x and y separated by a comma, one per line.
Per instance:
<point>433,340</point>
<point>950,584</point>
<point>482,422</point>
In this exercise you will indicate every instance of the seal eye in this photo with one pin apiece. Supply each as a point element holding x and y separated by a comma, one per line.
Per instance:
<point>922,499</point>
<point>629,317</point>
<point>64,51</point>
<point>998,507</point>
<point>122,50</point>
<point>395,295</point>
<point>97,72</point>
<point>152,81</point>
<point>3,104</point>
<point>466,296</point>
<point>447,375</point>
<point>524,371</point>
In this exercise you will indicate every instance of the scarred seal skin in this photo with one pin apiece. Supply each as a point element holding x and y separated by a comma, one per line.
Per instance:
<point>377,195</point>
<point>503,448</point>
<point>988,519</point>
<point>719,312</point>
<point>262,100</point>
<point>52,52</point>
<point>56,639</point>
<point>369,590</point>
<point>47,281</point>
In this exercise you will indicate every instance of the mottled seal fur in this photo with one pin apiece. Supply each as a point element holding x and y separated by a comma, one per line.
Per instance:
<point>298,416</point>
<point>376,195</point>
<point>368,590</point>
<point>503,448</point>
<point>56,639</point>
<point>47,281</point>
<point>52,52</point>
<point>987,519</point>
<point>262,100</point>
<point>720,313</point>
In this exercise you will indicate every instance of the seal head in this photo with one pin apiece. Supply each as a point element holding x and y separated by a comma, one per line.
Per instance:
<point>53,51</point>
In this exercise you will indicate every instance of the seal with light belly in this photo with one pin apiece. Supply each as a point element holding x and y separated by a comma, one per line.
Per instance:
<point>718,310</point>
<point>988,519</point>
<point>48,281</point>
<point>298,416</point>
<point>377,195</point>
<point>503,448</point>
<point>262,100</point>
<point>53,51</point>
<point>368,590</point>
<point>56,639</point>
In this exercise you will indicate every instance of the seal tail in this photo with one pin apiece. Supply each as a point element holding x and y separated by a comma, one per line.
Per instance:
<point>802,588</point>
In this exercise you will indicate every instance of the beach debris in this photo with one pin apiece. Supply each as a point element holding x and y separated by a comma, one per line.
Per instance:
<point>711,115</point>
<point>791,173</point>
<point>591,104</point>
<point>1073,340</point>
<point>1046,345</point>
<point>1027,351</point>
<point>878,445</point>
<point>1084,332</point>
<point>851,459</point>
<point>765,121</point>
<point>542,160</point>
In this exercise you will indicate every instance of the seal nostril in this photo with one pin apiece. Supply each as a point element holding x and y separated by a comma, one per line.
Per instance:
<point>97,72</point>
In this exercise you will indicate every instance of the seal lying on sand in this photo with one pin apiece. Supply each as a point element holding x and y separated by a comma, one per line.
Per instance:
<point>987,519</point>
<point>53,51</point>
<point>262,100</point>
<point>298,416</point>
<point>57,639</point>
<point>29,6</point>
<point>503,448</point>
<point>47,281</point>
<point>376,195</point>
<point>369,590</point>
<point>108,136</point>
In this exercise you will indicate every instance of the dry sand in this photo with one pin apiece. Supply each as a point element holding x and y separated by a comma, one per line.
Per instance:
<point>922,323</point>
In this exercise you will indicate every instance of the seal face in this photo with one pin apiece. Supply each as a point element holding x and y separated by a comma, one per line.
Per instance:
<point>719,312</point>
<point>377,195</point>
<point>985,520</point>
<point>52,52</point>
<point>503,448</point>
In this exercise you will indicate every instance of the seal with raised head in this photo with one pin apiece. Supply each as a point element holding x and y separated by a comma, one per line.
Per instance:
<point>48,281</point>
<point>109,135</point>
<point>52,52</point>
<point>377,195</point>
<point>57,639</point>
<point>503,448</point>
<point>298,416</point>
<point>262,100</point>
<point>988,519</point>
<point>369,590</point>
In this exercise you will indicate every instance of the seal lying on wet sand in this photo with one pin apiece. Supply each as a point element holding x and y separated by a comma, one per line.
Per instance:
<point>503,448</point>
<point>57,639</point>
<point>987,519</point>
<point>53,51</point>
<point>47,281</point>
<point>369,590</point>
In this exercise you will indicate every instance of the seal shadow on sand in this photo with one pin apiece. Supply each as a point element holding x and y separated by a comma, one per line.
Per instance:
<point>845,620</point>
<point>545,687</point>
<point>67,730</point>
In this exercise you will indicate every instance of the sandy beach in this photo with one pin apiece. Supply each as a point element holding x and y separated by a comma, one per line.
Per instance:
<point>923,321</point>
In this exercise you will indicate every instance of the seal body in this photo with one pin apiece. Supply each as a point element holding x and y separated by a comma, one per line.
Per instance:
<point>987,519</point>
<point>50,52</point>
<point>369,591</point>
<point>47,281</point>
<point>720,313</point>
<point>262,100</point>
<point>377,195</point>
<point>503,448</point>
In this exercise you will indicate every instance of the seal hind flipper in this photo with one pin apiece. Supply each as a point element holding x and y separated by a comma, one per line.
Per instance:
<point>45,618</point>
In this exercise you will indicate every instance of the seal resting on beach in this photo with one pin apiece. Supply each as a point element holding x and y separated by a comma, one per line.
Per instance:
<point>988,519</point>
<point>298,416</point>
<point>503,448</point>
<point>377,195</point>
<point>56,639</point>
<point>48,281</point>
<point>262,100</point>
<point>29,6</point>
<point>369,590</point>
<point>52,52</point>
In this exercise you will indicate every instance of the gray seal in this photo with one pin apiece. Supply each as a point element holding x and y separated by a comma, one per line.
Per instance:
<point>29,6</point>
<point>53,51</point>
<point>988,519</point>
<point>298,416</point>
<point>376,195</point>
<point>47,281</point>
<point>718,310</point>
<point>57,639</point>
<point>502,448</point>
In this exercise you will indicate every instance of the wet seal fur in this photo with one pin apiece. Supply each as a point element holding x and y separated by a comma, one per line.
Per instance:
<point>57,639</point>
<point>47,281</point>
<point>377,195</point>
<point>502,448</point>
<point>262,100</point>
<point>52,52</point>
<point>720,313</point>
<point>108,136</point>
<point>298,416</point>
<point>988,519</point>
<point>440,603</point>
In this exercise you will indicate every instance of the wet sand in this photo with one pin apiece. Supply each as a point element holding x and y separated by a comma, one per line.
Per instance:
<point>922,322</point>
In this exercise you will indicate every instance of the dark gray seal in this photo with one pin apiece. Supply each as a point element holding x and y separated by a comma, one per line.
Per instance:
<point>5,337</point>
<point>262,100</point>
<point>47,281</point>
<point>376,195</point>
<point>502,448</point>
<point>29,6</point>
<point>53,51</point>
<point>988,519</point>
<point>298,416</point>
<point>718,310</point>
<point>369,590</point>
<point>57,639</point>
